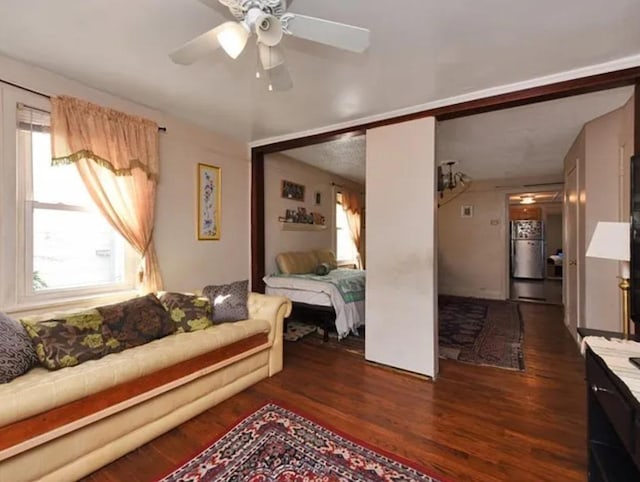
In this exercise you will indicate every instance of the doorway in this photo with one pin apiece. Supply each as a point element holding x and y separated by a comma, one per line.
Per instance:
<point>535,243</point>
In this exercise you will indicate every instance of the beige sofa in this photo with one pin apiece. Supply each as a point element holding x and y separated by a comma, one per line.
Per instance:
<point>65,424</point>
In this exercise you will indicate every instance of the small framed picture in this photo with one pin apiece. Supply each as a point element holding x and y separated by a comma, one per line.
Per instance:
<point>208,202</point>
<point>293,191</point>
<point>466,212</point>
<point>318,198</point>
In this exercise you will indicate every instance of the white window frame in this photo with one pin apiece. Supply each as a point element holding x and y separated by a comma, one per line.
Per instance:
<point>16,244</point>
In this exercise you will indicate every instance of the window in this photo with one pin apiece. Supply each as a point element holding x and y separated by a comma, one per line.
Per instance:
<point>346,250</point>
<point>68,246</point>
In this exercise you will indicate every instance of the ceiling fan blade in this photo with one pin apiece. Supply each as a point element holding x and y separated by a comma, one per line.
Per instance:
<point>280,78</point>
<point>270,57</point>
<point>339,35</point>
<point>199,46</point>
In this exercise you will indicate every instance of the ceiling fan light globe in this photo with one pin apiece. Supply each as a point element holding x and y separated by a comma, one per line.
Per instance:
<point>269,30</point>
<point>233,39</point>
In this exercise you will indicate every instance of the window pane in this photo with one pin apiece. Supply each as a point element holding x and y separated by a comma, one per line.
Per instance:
<point>74,249</point>
<point>54,184</point>
<point>345,247</point>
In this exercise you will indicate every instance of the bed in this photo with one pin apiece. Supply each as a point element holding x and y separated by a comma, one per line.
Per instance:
<point>335,298</point>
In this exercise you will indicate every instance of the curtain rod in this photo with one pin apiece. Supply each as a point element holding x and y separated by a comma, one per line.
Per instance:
<point>42,94</point>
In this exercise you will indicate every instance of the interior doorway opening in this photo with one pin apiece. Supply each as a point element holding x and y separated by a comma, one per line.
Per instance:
<point>536,251</point>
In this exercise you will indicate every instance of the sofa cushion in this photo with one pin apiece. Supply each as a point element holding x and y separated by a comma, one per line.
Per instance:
<point>41,390</point>
<point>229,302</point>
<point>189,312</point>
<point>17,355</point>
<point>137,321</point>
<point>71,339</point>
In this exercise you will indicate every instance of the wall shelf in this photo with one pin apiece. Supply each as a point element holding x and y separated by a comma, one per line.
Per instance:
<point>302,226</point>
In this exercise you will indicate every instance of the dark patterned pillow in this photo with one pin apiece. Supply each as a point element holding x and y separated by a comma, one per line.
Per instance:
<point>188,312</point>
<point>137,321</point>
<point>69,340</point>
<point>17,355</point>
<point>323,269</point>
<point>229,302</point>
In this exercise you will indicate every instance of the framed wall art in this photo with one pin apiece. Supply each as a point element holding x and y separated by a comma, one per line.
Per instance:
<point>208,202</point>
<point>291,190</point>
<point>466,212</point>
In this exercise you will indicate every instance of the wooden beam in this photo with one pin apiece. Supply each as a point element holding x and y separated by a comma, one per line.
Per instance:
<point>531,95</point>
<point>257,222</point>
<point>568,88</point>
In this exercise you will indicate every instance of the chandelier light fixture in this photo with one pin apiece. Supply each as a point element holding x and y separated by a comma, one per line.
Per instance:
<point>448,179</point>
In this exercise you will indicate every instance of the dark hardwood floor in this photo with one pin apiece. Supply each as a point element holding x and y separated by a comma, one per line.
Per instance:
<point>474,423</point>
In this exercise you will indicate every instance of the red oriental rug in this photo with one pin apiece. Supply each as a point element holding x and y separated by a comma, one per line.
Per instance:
<point>276,444</point>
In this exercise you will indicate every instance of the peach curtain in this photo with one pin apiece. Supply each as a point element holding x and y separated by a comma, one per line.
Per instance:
<point>352,206</point>
<point>117,156</point>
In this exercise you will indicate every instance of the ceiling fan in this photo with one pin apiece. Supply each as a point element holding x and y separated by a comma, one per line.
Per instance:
<point>269,20</point>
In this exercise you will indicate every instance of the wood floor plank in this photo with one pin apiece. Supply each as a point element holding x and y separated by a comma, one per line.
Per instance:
<point>474,423</point>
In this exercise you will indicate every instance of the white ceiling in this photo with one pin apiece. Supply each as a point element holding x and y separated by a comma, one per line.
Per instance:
<point>527,141</point>
<point>345,157</point>
<point>524,141</point>
<point>421,51</point>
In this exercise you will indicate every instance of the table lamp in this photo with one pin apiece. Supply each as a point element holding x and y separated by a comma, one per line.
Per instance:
<point>612,241</point>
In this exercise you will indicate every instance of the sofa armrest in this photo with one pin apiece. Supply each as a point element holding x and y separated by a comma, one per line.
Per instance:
<point>274,309</point>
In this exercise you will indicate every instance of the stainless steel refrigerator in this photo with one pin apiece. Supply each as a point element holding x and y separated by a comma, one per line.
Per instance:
<point>527,249</point>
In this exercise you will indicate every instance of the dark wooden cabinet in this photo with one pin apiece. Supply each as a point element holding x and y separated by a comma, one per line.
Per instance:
<point>613,426</point>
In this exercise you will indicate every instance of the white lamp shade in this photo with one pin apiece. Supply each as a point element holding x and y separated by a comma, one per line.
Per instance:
<point>233,39</point>
<point>610,241</point>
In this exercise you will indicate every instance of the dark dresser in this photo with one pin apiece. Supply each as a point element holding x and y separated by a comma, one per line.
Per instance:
<point>614,422</point>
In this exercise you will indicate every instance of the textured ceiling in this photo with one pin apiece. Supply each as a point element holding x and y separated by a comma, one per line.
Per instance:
<point>344,157</point>
<point>421,51</point>
<point>526,141</point>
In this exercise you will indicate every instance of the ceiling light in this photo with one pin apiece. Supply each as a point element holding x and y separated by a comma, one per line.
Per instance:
<point>233,39</point>
<point>447,179</point>
<point>527,200</point>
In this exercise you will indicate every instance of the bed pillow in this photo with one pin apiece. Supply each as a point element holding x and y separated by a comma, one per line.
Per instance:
<point>326,256</point>
<point>229,302</point>
<point>137,321</point>
<point>323,269</point>
<point>70,339</point>
<point>189,312</point>
<point>17,355</point>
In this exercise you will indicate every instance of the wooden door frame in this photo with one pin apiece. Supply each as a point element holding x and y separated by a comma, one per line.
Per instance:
<point>558,90</point>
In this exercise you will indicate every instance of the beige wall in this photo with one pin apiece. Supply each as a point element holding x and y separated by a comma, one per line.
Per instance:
<point>401,298</point>
<point>278,167</point>
<point>185,262</point>
<point>473,252</point>
<point>608,148</point>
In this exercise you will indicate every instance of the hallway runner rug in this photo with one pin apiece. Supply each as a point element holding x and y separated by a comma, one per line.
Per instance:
<point>482,332</point>
<point>276,444</point>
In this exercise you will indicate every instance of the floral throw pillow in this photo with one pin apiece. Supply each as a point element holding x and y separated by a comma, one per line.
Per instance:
<point>70,340</point>
<point>17,355</point>
<point>229,302</point>
<point>188,312</point>
<point>137,321</point>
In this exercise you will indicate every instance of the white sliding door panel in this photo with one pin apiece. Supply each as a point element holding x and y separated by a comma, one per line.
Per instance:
<point>401,296</point>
